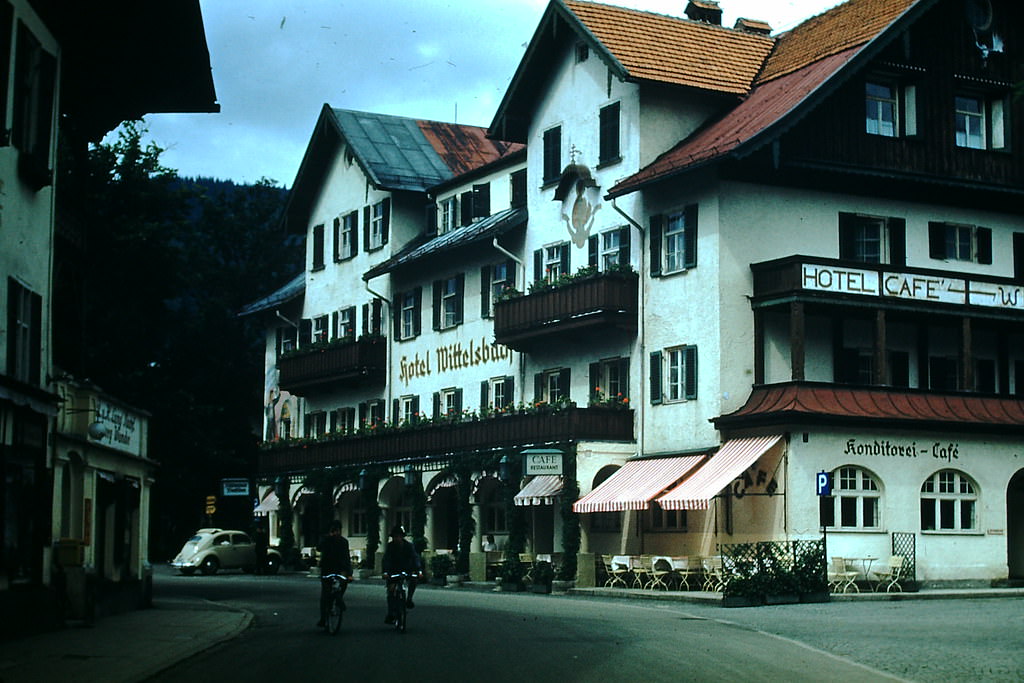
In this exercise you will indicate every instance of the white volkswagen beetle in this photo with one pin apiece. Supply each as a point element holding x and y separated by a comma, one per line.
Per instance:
<point>213,549</point>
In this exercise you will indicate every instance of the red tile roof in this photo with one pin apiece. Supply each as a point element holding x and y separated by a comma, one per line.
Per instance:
<point>657,47</point>
<point>464,148</point>
<point>800,402</point>
<point>803,60</point>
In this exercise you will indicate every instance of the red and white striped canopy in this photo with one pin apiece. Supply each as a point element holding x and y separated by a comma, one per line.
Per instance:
<point>543,489</point>
<point>732,458</point>
<point>636,484</point>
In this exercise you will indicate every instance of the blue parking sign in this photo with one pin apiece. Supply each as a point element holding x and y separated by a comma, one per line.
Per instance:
<point>824,483</point>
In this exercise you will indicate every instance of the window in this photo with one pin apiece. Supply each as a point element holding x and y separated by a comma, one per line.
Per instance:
<point>881,109</point>
<point>376,219</point>
<point>24,343</point>
<point>855,502</point>
<point>552,386</point>
<point>666,520</point>
<point>318,247</point>
<point>449,215</point>
<point>316,424</point>
<point>343,420</point>
<point>609,250</point>
<point>582,53</point>
<point>495,519</point>
<point>943,373</point>
<point>35,73</point>
<point>517,189</point>
<point>609,381</point>
<point>872,239</point>
<point>674,374</point>
<point>407,313</point>
<point>287,339</point>
<point>373,317</point>
<point>497,392</point>
<point>949,502</point>
<point>371,413</point>
<point>552,154</point>
<point>979,122</point>
<point>345,323</point>
<point>357,522</point>
<point>605,521</point>
<point>345,238</point>
<point>985,375</point>
<point>448,302</point>
<point>448,402</point>
<point>855,366</point>
<point>481,201</point>
<point>6,23</point>
<point>674,242</point>
<point>407,409</point>
<point>321,331</point>
<point>609,134</point>
<point>954,242</point>
<point>494,281</point>
<point>551,262</point>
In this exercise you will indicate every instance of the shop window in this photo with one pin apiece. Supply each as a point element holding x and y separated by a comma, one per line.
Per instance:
<point>855,502</point>
<point>665,520</point>
<point>949,502</point>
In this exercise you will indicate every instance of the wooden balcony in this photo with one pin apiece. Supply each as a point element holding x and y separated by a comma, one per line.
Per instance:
<point>438,441</point>
<point>607,301</point>
<point>360,362</point>
<point>813,279</point>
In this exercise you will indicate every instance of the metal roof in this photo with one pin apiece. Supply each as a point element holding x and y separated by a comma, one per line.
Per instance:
<point>295,287</point>
<point>492,226</point>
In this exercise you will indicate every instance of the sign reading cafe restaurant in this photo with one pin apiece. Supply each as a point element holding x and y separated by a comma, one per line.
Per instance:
<point>452,357</point>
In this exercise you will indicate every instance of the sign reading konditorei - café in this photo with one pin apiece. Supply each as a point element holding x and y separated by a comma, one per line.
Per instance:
<point>887,448</point>
<point>450,357</point>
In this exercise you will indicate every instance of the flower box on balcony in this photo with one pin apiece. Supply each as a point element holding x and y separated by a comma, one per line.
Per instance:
<point>516,428</point>
<point>585,305</point>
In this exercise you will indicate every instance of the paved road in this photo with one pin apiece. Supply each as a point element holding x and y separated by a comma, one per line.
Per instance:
<point>456,634</point>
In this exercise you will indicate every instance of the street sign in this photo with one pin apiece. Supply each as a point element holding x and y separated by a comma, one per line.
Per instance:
<point>824,483</point>
<point>538,461</point>
<point>234,487</point>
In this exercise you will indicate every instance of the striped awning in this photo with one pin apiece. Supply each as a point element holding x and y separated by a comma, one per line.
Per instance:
<point>636,484</point>
<point>543,489</point>
<point>269,504</point>
<point>729,462</point>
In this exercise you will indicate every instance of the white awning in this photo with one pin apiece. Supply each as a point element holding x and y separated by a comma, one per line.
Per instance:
<point>347,487</point>
<point>636,484</point>
<point>447,482</point>
<point>729,462</point>
<point>543,489</point>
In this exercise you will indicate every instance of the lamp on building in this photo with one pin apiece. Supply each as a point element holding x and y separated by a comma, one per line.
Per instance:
<point>362,479</point>
<point>503,473</point>
<point>98,431</point>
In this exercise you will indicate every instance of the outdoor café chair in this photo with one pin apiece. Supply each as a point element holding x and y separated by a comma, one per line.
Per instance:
<point>840,577</point>
<point>890,575</point>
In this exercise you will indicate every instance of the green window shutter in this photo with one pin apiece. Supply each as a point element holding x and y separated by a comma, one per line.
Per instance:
<point>657,225</point>
<point>655,380</point>
<point>690,361</point>
<point>690,237</point>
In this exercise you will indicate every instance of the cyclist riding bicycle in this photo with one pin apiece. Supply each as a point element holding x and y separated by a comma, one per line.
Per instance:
<point>334,559</point>
<point>400,556</point>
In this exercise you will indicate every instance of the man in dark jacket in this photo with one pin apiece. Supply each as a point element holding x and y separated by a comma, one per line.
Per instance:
<point>400,556</point>
<point>334,559</point>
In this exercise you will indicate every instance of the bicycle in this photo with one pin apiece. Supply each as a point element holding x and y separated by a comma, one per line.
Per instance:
<point>396,600</point>
<point>337,609</point>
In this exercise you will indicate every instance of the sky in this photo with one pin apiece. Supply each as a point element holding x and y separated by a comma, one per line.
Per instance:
<point>277,62</point>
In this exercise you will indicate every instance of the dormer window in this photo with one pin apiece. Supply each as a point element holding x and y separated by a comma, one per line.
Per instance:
<point>980,122</point>
<point>891,108</point>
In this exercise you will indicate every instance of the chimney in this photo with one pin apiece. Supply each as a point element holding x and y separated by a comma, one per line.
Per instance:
<point>707,11</point>
<point>753,26</point>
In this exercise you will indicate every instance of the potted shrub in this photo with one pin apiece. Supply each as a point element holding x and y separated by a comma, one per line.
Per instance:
<point>440,567</point>
<point>811,577</point>
<point>511,576</point>
<point>542,576</point>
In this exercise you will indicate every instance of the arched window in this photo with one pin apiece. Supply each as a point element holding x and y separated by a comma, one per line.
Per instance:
<point>605,521</point>
<point>949,502</point>
<point>855,502</point>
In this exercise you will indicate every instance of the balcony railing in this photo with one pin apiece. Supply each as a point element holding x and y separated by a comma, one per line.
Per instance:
<point>606,300</point>
<point>881,285</point>
<point>450,440</point>
<point>357,362</point>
